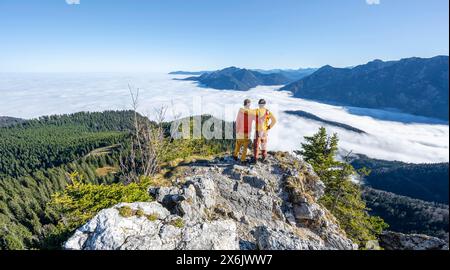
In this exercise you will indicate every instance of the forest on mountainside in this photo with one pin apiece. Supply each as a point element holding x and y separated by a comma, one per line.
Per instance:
<point>36,156</point>
<point>39,155</point>
<point>428,182</point>
<point>408,215</point>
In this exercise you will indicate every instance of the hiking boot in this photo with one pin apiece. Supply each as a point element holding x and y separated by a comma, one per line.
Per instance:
<point>254,161</point>
<point>235,158</point>
<point>244,163</point>
<point>264,160</point>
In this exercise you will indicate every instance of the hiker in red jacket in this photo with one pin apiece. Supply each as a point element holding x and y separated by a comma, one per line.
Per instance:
<point>244,122</point>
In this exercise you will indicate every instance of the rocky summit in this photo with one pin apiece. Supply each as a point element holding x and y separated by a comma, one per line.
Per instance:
<point>219,204</point>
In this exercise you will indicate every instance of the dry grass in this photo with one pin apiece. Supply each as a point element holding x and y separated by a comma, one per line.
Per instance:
<point>300,185</point>
<point>102,150</point>
<point>126,211</point>
<point>160,181</point>
<point>104,171</point>
<point>176,169</point>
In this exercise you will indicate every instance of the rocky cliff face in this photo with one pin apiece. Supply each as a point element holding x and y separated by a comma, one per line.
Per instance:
<point>219,204</point>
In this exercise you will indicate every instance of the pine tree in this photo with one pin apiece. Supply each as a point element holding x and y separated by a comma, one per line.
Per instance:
<point>342,196</point>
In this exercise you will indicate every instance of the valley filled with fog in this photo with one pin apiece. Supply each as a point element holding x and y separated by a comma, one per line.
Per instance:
<point>387,135</point>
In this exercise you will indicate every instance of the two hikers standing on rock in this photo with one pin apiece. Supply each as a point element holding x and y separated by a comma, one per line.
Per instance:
<point>264,121</point>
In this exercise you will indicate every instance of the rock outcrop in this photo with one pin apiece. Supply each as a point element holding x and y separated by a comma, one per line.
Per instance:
<point>219,204</point>
<point>399,241</point>
<point>154,229</point>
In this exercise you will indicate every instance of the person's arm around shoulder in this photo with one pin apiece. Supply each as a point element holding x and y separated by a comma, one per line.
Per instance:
<point>253,113</point>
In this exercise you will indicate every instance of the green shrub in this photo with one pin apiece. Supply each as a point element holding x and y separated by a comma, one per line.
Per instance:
<point>79,202</point>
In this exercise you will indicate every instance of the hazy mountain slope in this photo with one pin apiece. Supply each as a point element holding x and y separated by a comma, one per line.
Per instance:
<point>427,182</point>
<point>181,72</point>
<point>291,74</point>
<point>316,118</point>
<point>407,215</point>
<point>413,85</point>
<point>7,121</point>
<point>233,78</point>
<point>411,198</point>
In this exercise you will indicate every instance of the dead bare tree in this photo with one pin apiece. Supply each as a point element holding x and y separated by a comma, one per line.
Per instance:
<point>147,144</point>
<point>155,143</point>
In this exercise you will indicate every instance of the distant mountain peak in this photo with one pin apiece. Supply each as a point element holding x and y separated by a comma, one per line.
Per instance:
<point>234,78</point>
<point>376,62</point>
<point>232,68</point>
<point>326,68</point>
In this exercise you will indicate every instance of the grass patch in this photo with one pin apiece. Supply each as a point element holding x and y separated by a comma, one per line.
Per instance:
<point>179,223</point>
<point>139,213</point>
<point>126,211</point>
<point>152,217</point>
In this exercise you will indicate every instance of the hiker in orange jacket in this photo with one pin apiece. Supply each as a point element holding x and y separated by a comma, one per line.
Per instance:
<point>265,121</point>
<point>244,122</point>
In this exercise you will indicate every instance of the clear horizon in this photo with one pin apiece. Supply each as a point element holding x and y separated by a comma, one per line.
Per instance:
<point>198,70</point>
<point>164,36</point>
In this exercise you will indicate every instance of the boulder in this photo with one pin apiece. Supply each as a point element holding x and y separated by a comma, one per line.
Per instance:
<point>278,239</point>
<point>399,241</point>
<point>109,230</point>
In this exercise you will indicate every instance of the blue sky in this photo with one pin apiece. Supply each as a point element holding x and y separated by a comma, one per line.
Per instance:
<point>164,35</point>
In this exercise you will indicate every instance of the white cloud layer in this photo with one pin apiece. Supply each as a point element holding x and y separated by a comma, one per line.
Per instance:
<point>396,137</point>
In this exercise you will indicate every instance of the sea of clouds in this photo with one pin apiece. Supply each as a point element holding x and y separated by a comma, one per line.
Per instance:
<point>390,135</point>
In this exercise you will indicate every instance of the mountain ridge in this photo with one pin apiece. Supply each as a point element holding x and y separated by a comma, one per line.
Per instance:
<point>233,78</point>
<point>413,85</point>
<point>292,74</point>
